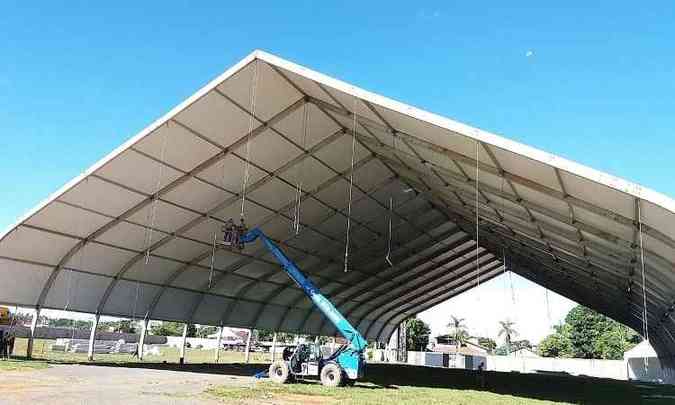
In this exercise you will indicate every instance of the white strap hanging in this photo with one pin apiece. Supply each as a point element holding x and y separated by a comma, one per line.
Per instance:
<point>138,289</point>
<point>477,227</point>
<point>152,214</point>
<point>80,259</point>
<point>251,122</point>
<point>298,188</point>
<point>351,186</point>
<point>548,308</point>
<point>213,258</point>
<point>391,214</point>
<point>645,319</point>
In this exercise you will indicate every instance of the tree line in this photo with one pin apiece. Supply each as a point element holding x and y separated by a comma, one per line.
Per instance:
<point>583,334</point>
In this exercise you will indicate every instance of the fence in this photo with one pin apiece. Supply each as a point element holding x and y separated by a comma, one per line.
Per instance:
<point>69,333</point>
<point>615,369</point>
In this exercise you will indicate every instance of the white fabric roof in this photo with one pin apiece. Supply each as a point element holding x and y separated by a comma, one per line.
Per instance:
<point>168,189</point>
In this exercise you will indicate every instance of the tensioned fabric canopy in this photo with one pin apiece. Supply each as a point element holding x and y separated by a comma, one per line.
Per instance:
<point>133,235</point>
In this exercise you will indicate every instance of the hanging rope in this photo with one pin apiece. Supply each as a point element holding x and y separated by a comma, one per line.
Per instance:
<point>251,122</point>
<point>477,219</point>
<point>351,186</point>
<point>213,258</point>
<point>152,214</point>
<point>138,288</point>
<point>548,308</point>
<point>391,214</point>
<point>645,320</point>
<point>298,187</point>
<point>504,277</point>
<point>513,292</point>
<point>80,258</point>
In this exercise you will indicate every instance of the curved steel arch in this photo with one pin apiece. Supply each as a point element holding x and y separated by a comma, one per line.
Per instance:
<point>149,199</point>
<point>339,302</point>
<point>435,300</point>
<point>453,280</point>
<point>367,276</point>
<point>441,274</point>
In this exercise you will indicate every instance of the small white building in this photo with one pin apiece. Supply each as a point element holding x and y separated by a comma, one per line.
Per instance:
<point>642,364</point>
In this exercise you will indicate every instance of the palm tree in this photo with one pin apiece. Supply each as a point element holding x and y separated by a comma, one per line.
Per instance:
<point>457,329</point>
<point>508,331</point>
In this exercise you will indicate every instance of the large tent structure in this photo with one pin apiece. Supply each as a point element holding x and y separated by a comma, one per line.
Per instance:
<point>333,173</point>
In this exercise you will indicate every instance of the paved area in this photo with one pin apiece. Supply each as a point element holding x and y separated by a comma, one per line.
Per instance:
<point>102,385</point>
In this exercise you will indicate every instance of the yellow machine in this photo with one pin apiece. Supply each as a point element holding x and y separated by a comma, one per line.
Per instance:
<point>5,316</point>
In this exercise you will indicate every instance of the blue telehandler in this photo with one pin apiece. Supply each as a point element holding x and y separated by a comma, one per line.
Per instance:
<point>346,364</point>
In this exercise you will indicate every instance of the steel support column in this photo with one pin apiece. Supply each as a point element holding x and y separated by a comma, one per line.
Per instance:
<point>218,343</point>
<point>31,335</point>
<point>182,344</point>
<point>141,340</point>
<point>92,338</point>
<point>248,346</point>
<point>274,346</point>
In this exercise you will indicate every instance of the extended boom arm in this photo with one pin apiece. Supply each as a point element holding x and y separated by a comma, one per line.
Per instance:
<point>356,341</point>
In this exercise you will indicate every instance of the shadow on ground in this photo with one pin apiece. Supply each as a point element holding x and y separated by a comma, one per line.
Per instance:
<point>550,387</point>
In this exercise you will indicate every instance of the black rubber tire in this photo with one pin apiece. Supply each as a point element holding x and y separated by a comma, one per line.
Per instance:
<point>279,372</point>
<point>331,375</point>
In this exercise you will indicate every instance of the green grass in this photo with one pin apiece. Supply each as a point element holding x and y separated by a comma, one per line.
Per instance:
<point>384,383</point>
<point>404,384</point>
<point>363,393</point>
<point>41,350</point>
<point>22,365</point>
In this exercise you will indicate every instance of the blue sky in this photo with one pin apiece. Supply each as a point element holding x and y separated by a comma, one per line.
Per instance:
<point>76,81</point>
<point>597,86</point>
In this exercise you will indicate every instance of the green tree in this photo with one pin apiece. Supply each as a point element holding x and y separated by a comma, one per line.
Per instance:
<point>616,340</point>
<point>172,329</point>
<point>267,335</point>
<point>67,323</point>
<point>557,344</point>
<point>204,331</point>
<point>417,334</point>
<point>590,335</point>
<point>586,327</point>
<point>457,329</point>
<point>506,329</point>
<point>121,326</point>
<point>487,343</point>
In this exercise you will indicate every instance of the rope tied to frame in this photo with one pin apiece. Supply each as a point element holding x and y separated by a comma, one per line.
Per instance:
<point>548,307</point>
<point>351,187</point>
<point>645,320</point>
<point>213,258</point>
<point>81,253</point>
<point>251,122</point>
<point>152,215</point>
<point>477,227</point>
<point>391,214</point>
<point>298,187</point>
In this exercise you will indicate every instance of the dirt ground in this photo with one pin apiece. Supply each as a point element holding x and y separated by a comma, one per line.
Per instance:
<point>102,385</point>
